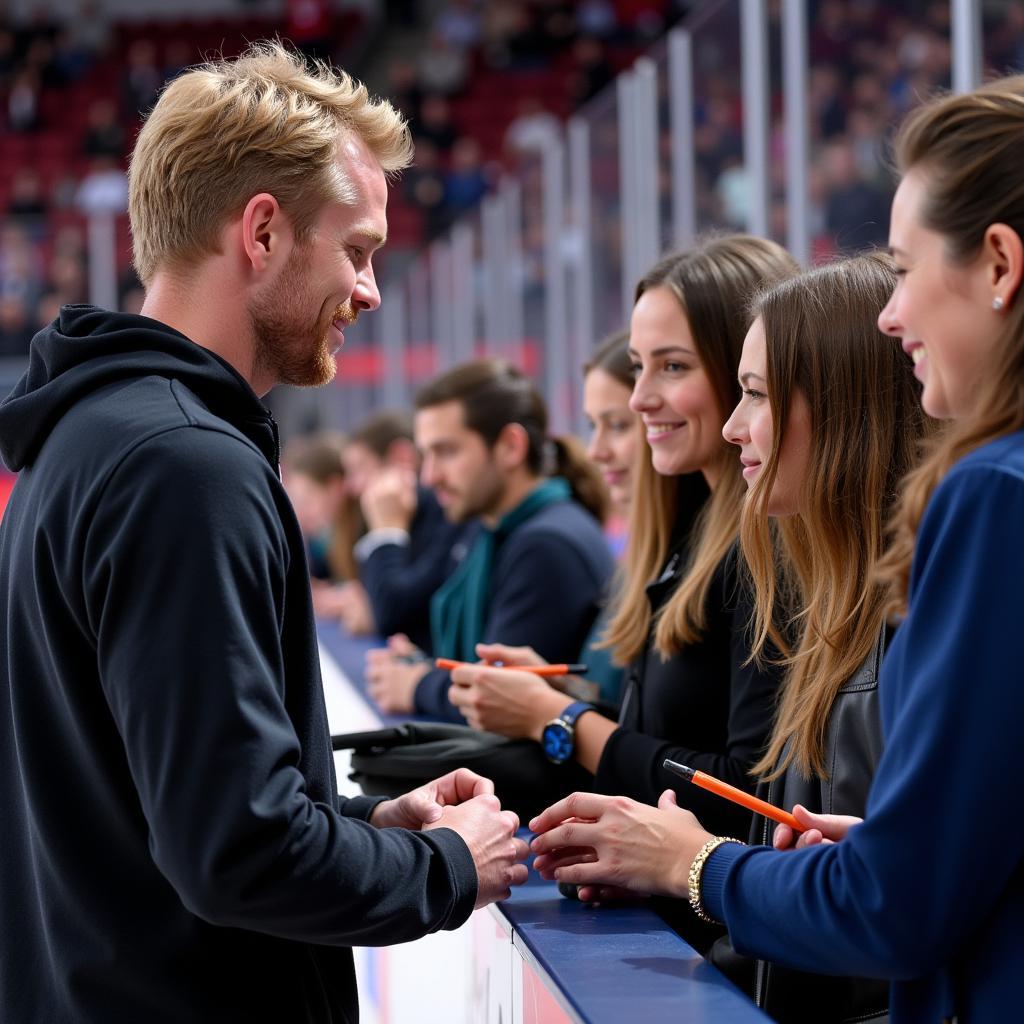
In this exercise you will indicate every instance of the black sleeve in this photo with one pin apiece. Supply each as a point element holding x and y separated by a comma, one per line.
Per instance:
<point>184,572</point>
<point>631,763</point>
<point>398,587</point>
<point>431,697</point>
<point>400,579</point>
<point>543,596</point>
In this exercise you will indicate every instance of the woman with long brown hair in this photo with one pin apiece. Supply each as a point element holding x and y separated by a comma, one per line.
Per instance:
<point>829,422</point>
<point>679,617</point>
<point>614,441</point>
<point>928,890</point>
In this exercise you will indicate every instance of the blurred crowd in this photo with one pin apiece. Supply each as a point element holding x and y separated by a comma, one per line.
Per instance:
<point>485,91</point>
<point>64,160</point>
<point>72,94</point>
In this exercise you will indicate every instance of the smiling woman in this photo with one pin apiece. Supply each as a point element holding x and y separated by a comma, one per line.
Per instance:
<point>829,422</point>
<point>615,437</point>
<point>679,619</point>
<point>928,890</point>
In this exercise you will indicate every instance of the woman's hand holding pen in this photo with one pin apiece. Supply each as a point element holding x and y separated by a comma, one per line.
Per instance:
<point>592,840</point>
<point>501,654</point>
<point>501,700</point>
<point>820,828</point>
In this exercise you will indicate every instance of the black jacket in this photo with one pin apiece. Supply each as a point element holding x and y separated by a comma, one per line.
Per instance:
<point>549,579</point>
<point>174,848</point>
<point>703,707</point>
<point>853,746</point>
<point>400,579</point>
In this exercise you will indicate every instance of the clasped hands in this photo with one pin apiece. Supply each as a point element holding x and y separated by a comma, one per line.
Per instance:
<point>614,847</point>
<point>465,802</point>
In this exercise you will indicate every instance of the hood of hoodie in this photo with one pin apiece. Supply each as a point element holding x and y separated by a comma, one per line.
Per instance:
<point>87,348</point>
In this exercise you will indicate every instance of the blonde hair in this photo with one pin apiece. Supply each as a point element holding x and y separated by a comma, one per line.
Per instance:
<point>713,283</point>
<point>968,151</point>
<point>814,570</point>
<point>228,130</point>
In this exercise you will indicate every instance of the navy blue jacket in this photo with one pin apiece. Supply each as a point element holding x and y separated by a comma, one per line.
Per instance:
<point>400,579</point>
<point>173,845</point>
<point>549,578</point>
<point>929,891</point>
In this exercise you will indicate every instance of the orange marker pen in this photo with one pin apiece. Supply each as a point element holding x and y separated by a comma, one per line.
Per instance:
<point>737,796</point>
<point>537,670</point>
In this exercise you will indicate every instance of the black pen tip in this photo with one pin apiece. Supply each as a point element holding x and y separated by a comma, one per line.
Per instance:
<point>679,769</point>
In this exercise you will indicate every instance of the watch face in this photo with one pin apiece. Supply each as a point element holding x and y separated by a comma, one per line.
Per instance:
<point>557,742</point>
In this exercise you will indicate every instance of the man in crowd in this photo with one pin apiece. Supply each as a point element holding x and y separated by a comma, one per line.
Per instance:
<point>174,847</point>
<point>539,567</point>
<point>409,548</point>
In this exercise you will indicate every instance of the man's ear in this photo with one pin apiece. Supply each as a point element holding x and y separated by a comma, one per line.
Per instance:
<point>267,237</point>
<point>512,446</point>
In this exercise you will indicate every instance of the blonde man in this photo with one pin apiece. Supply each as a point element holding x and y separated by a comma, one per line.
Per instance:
<point>174,848</point>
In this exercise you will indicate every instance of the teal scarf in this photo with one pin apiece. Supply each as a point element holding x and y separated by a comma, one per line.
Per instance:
<point>458,609</point>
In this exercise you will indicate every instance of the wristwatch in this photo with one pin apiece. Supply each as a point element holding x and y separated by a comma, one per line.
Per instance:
<point>559,736</point>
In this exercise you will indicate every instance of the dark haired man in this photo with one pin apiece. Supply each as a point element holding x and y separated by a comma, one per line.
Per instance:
<point>538,571</point>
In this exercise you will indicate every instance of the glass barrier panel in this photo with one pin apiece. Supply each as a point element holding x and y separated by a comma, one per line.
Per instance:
<point>721,192</point>
<point>421,358</point>
<point>530,290</point>
<point>1002,38</point>
<point>665,240</point>
<point>602,117</point>
<point>869,64</point>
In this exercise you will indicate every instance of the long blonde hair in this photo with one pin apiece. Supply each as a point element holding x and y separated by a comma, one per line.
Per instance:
<point>968,150</point>
<point>713,283</point>
<point>815,594</point>
<point>226,131</point>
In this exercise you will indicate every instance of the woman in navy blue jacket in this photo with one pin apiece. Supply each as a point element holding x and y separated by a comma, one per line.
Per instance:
<point>927,891</point>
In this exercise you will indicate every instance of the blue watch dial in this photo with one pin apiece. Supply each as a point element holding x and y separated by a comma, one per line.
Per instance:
<point>557,741</point>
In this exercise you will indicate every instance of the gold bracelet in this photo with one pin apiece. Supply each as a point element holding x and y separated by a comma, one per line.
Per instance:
<point>697,872</point>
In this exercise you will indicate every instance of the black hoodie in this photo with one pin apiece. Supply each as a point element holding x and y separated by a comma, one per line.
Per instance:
<point>173,848</point>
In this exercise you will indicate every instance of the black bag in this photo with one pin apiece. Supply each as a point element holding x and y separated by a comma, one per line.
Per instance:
<point>389,762</point>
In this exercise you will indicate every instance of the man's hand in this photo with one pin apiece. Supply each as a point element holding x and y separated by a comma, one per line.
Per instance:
<point>328,599</point>
<point>504,701</point>
<point>819,828</point>
<point>589,839</point>
<point>391,681</point>
<point>354,610</point>
<point>425,805</point>
<point>402,647</point>
<point>389,500</point>
<point>489,832</point>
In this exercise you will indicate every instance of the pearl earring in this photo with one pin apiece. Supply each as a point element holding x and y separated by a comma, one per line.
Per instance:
<point>997,303</point>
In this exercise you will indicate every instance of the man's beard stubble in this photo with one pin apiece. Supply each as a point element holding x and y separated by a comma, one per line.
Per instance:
<point>483,495</point>
<point>290,347</point>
